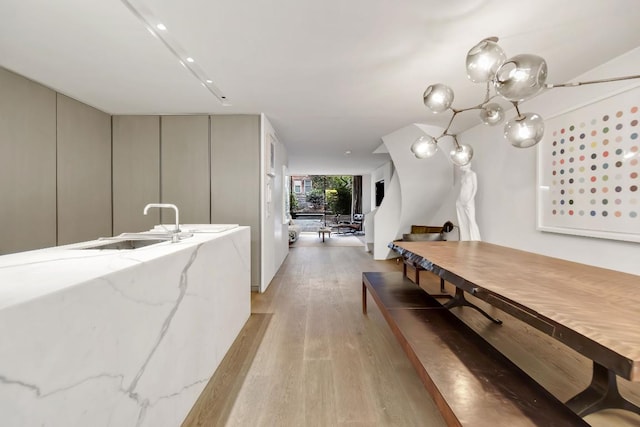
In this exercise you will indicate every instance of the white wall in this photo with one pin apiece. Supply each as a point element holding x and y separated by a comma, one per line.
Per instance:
<point>416,190</point>
<point>275,234</point>
<point>506,198</point>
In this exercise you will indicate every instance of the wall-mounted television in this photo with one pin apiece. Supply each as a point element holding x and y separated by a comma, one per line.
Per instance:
<point>379,192</point>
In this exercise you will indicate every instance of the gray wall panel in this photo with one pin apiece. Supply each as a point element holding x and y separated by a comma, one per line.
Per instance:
<point>27,164</point>
<point>136,172</point>
<point>235,177</point>
<point>185,168</point>
<point>84,172</point>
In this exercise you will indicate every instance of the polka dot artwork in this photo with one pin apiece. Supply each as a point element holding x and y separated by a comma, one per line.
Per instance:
<point>595,150</point>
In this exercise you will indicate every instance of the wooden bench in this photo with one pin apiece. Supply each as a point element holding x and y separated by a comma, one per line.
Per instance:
<point>471,382</point>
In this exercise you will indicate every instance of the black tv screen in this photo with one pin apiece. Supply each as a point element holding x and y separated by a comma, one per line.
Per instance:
<point>379,192</point>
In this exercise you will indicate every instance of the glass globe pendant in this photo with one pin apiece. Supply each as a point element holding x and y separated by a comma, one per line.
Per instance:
<point>525,130</point>
<point>484,59</point>
<point>491,114</point>
<point>461,155</point>
<point>438,97</point>
<point>424,147</point>
<point>521,77</point>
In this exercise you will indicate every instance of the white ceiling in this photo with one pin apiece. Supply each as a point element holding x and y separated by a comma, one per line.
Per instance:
<point>331,75</point>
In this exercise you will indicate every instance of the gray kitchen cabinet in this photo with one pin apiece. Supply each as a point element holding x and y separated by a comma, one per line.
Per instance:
<point>84,172</point>
<point>235,177</point>
<point>27,164</point>
<point>136,172</point>
<point>184,170</point>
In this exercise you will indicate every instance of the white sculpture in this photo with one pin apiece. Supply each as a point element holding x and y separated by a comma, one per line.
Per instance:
<point>465,205</point>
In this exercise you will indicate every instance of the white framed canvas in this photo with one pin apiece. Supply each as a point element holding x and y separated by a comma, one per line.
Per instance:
<point>588,170</point>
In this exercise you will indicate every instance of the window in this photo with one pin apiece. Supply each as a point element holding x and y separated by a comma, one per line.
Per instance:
<point>297,187</point>
<point>307,186</point>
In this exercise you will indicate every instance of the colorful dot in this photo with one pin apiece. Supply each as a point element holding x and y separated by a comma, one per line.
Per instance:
<point>593,213</point>
<point>634,175</point>
<point>605,189</point>
<point>634,110</point>
<point>618,201</point>
<point>618,139</point>
<point>605,201</point>
<point>605,165</point>
<point>634,135</point>
<point>619,126</point>
<point>605,154</point>
<point>619,114</point>
<point>619,151</point>
<point>582,146</point>
<point>572,127</point>
<point>582,135</point>
<point>634,162</point>
<point>605,118</point>
<point>634,122</point>
<point>605,142</point>
<point>618,214</point>
<point>594,133</point>
<point>593,191</point>
<point>633,188</point>
<point>581,213</point>
<point>605,213</point>
<point>581,191</point>
<point>593,178</point>
<point>594,144</point>
<point>618,189</point>
<point>562,130</point>
<point>618,163</point>
<point>605,177</point>
<point>570,212</point>
<point>605,130</point>
<point>633,214</point>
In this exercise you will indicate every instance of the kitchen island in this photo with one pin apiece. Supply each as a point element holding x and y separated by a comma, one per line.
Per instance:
<point>119,337</point>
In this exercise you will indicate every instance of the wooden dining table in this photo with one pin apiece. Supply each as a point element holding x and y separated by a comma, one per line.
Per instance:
<point>594,311</point>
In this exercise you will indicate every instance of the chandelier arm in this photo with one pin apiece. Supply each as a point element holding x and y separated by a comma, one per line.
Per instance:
<point>590,82</point>
<point>455,139</point>
<point>515,104</point>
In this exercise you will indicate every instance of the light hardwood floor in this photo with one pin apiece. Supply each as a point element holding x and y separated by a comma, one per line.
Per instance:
<point>309,357</point>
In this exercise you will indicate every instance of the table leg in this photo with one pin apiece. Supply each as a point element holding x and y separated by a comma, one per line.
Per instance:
<point>601,394</point>
<point>364,298</point>
<point>460,301</point>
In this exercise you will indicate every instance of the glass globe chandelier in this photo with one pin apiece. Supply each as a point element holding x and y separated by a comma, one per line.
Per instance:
<point>514,79</point>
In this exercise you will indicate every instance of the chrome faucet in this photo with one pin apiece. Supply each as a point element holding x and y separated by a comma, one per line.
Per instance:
<point>176,232</point>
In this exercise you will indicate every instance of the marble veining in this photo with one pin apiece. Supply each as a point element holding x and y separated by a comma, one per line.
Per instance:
<point>131,342</point>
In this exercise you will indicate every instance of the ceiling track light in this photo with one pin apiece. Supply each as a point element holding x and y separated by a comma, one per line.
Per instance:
<point>147,18</point>
<point>516,79</point>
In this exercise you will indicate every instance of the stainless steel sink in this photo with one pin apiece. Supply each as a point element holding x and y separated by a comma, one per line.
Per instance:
<point>125,244</point>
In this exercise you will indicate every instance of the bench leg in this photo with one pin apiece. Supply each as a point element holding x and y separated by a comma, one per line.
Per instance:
<point>364,298</point>
<point>601,394</point>
<point>460,301</point>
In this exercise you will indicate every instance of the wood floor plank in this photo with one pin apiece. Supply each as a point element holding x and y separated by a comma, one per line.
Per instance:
<point>217,399</point>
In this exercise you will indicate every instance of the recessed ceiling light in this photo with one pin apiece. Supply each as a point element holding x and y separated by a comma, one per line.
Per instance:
<point>190,59</point>
<point>347,152</point>
<point>209,81</point>
<point>161,27</point>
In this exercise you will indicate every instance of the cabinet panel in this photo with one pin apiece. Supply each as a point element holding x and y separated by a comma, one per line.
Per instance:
<point>84,172</point>
<point>185,167</point>
<point>136,172</point>
<point>235,177</point>
<point>27,164</point>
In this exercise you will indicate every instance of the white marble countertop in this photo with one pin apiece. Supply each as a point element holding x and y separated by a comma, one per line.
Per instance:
<point>28,275</point>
